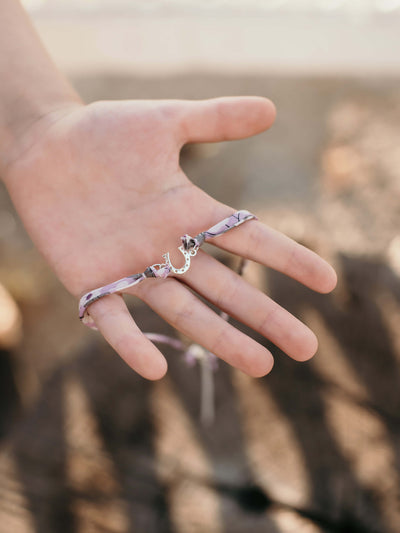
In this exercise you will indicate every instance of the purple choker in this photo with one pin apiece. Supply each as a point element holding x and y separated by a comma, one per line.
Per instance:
<point>189,248</point>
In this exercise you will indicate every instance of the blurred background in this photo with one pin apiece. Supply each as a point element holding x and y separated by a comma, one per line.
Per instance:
<point>88,446</point>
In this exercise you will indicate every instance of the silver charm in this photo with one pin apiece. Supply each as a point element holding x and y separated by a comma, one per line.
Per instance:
<point>187,254</point>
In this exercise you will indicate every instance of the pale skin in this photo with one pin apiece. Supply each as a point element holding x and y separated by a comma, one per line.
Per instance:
<point>101,193</point>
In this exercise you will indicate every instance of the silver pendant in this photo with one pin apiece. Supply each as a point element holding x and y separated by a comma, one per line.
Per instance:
<point>187,254</point>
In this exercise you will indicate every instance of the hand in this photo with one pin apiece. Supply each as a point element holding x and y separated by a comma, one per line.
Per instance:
<point>101,193</point>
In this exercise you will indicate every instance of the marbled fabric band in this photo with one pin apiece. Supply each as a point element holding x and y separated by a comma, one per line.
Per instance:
<point>189,248</point>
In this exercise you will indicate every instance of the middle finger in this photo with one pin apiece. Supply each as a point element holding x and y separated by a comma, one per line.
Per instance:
<point>244,302</point>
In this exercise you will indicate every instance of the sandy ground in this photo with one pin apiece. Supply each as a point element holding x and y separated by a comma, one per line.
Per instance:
<point>87,446</point>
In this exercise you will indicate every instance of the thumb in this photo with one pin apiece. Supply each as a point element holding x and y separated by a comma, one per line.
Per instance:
<point>224,119</point>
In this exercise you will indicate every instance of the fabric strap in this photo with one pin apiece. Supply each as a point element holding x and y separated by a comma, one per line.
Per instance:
<point>189,247</point>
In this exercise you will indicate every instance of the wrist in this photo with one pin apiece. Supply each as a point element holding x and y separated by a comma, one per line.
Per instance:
<point>22,132</point>
<point>32,90</point>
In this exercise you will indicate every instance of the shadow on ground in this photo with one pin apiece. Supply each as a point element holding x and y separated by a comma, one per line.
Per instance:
<point>103,451</point>
<point>312,447</point>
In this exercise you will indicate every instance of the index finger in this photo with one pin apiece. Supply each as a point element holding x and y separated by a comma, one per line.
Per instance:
<point>256,241</point>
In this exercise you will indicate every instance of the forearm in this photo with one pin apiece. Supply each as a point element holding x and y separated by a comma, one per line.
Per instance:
<point>32,90</point>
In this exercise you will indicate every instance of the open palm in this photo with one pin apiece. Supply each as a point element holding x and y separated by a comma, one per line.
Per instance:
<point>102,195</point>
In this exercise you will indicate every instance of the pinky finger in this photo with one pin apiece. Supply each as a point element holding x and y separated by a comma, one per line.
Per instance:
<point>115,323</point>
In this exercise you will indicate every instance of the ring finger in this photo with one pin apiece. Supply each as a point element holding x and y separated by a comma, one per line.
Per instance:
<point>184,311</point>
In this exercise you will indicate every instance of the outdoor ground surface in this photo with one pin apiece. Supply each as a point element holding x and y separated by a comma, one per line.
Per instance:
<point>88,446</point>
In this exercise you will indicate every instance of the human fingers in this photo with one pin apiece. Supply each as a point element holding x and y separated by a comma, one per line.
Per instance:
<point>116,324</point>
<point>184,311</point>
<point>258,242</point>
<point>231,293</point>
<point>224,119</point>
